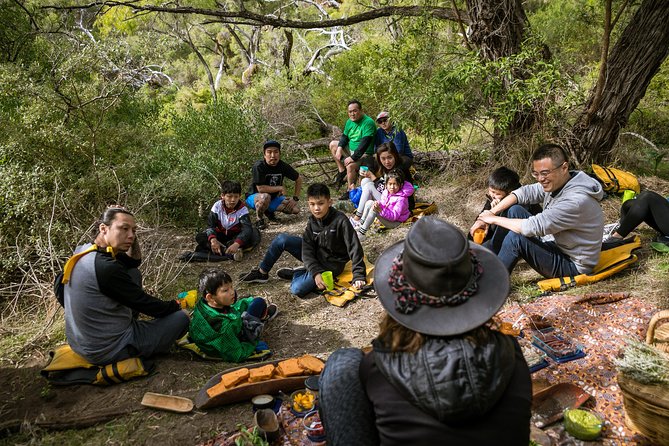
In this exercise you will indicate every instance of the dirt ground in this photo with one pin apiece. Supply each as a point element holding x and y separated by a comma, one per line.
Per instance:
<point>33,412</point>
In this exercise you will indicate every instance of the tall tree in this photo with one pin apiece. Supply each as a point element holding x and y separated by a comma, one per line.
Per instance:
<point>635,59</point>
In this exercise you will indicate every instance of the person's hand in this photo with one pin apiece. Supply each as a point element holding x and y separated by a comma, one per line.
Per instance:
<point>487,217</point>
<point>494,202</point>
<point>233,248</point>
<point>282,190</point>
<point>319,281</point>
<point>376,208</point>
<point>348,160</point>
<point>478,224</point>
<point>135,251</point>
<point>215,246</point>
<point>359,284</point>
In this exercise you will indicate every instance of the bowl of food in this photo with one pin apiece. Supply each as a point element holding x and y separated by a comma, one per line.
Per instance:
<point>301,402</point>
<point>314,426</point>
<point>583,424</point>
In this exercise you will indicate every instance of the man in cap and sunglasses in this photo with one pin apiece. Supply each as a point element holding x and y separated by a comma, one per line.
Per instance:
<point>571,214</point>
<point>436,374</point>
<point>387,132</point>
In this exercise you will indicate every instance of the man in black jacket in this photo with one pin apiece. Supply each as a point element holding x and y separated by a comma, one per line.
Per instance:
<point>328,243</point>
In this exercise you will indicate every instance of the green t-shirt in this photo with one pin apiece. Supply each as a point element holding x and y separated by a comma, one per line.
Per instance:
<point>358,130</point>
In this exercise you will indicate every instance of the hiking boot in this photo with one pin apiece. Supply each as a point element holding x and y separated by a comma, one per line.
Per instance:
<point>255,276</point>
<point>186,257</point>
<point>285,273</point>
<point>339,179</point>
<point>261,224</point>
<point>271,216</point>
<point>272,312</point>
<point>238,256</point>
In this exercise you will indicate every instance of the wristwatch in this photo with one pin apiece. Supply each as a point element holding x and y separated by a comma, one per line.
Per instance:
<point>296,198</point>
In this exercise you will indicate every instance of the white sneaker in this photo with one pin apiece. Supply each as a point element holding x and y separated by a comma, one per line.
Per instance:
<point>362,237</point>
<point>238,256</point>
<point>354,222</point>
<point>610,229</point>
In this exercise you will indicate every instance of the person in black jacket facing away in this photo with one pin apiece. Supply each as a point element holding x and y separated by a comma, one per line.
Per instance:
<point>328,243</point>
<point>437,374</point>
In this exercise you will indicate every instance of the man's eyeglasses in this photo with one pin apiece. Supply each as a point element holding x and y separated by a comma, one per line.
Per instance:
<point>382,120</point>
<point>545,173</point>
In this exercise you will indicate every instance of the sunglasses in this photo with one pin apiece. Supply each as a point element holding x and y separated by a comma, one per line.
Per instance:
<point>382,120</point>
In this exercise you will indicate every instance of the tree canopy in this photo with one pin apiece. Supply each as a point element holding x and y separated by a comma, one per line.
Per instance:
<point>151,103</point>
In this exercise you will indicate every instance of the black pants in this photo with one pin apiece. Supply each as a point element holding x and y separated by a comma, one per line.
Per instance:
<point>203,244</point>
<point>648,207</point>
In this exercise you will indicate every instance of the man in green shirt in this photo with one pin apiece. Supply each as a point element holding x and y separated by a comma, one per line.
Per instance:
<point>356,145</point>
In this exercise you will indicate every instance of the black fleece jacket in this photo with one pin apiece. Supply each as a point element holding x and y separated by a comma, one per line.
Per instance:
<point>329,243</point>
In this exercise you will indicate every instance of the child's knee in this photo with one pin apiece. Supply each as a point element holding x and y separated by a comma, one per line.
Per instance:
<point>262,200</point>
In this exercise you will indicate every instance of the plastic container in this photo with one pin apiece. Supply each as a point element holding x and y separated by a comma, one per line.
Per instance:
<point>263,402</point>
<point>302,402</point>
<point>312,386</point>
<point>314,427</point>
<point>583,424</point>
<point>328,279</point>
<point>479,236</point>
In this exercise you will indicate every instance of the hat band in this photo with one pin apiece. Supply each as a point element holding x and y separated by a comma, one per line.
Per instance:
<point>408,298</point>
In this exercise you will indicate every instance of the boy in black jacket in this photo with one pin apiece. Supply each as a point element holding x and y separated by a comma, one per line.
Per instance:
<point>328,243</point>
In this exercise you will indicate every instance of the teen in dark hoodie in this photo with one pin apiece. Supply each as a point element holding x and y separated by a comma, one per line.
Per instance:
<point>328,243</point>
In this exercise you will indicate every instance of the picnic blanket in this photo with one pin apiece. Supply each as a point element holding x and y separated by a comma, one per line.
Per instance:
<point>292,432</point>
<point>601,331</point>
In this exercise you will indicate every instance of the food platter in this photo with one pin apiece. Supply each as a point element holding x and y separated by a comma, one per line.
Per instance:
<point>246,391</point>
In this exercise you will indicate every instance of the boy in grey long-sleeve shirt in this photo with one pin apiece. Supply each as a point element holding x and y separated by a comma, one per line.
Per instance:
<point>572,215</point>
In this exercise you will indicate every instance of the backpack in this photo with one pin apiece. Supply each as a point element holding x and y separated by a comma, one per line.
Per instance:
<point>615,180</point>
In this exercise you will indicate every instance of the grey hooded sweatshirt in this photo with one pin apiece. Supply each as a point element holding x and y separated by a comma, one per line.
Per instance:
<point>572,215</point>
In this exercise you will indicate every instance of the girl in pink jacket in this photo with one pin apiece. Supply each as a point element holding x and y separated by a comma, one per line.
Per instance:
<point>392,209</point>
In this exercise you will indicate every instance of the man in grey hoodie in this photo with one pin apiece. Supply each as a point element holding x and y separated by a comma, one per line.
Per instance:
<point>572,215</point>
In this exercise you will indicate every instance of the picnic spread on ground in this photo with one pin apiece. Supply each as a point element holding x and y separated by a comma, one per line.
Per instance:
<point>445,299</point>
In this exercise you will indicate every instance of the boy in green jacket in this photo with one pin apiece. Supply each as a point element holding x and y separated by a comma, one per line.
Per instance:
<point>225,326</point>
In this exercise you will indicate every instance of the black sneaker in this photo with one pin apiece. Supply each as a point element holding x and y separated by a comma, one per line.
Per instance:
<point>271,216</point>
<point>272,312</point>
<point>255,276</point>
<point>344,196</point>
<point>287,273</point>
<point>261,224</point>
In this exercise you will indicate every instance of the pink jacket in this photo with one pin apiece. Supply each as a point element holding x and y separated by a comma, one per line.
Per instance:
<point>396,207</point>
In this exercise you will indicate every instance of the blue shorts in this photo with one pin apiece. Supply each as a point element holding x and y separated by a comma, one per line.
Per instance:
<point>276,201</point>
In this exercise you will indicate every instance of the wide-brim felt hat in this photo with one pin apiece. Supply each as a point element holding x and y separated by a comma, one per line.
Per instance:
<point>437,260</point>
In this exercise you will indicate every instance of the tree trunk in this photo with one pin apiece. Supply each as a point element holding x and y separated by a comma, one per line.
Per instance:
<point>497,27</point>
<point>637,56</point>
